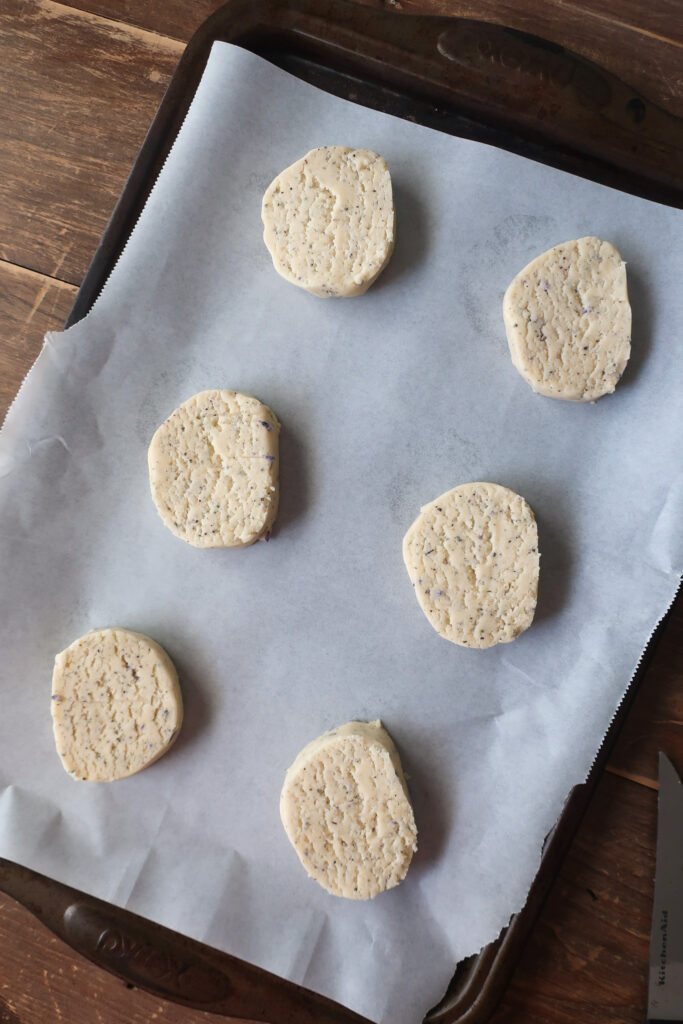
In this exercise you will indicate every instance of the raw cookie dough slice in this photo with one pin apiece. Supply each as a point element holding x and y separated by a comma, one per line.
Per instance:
<point>329,220</point>
<point>472,556</point>
<point>346,811</point>
<point>568,321</point>
<point>213,470</point>
<point>116,704</point>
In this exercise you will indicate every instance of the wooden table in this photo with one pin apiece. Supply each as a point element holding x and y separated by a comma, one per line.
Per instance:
<point>80,84</point>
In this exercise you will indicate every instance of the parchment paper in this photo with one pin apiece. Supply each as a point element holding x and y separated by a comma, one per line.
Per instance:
<point>386,401</point>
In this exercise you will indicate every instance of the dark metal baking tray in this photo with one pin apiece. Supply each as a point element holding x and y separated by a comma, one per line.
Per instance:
<point>468,79</point>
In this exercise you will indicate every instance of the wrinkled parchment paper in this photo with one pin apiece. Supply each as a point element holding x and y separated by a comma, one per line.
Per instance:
<point>386,401</point>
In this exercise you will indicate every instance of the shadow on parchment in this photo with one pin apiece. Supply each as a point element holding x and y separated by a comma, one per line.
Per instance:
<point>294,479</point>
<point>431,798</point>
<point>556,566</point>
<point>197,707</point>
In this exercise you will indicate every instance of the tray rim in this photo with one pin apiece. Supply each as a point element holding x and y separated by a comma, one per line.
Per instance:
<point>483,977</point>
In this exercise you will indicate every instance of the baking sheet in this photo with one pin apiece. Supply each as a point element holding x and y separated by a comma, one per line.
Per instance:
<point>386,401</point>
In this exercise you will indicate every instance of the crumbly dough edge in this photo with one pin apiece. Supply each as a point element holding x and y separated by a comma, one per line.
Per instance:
<point>176,692</point>
<point>374,734</point>
<point>509,314</point>
<point>274,505</point>
<point>321,293</point>
<point>413,529</point>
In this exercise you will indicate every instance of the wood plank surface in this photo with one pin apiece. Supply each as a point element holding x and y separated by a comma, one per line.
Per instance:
<point>30,305</point>
<point>585,961</point>
<point>77,94</point>
<point>655,721</point>
<point>72,127</point>
<point>176,18</point>
<point>80,85</point>
<point>42,981</point>
<point>587,957</point>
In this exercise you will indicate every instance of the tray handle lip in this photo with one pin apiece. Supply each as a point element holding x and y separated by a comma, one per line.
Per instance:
<point>162,961</point>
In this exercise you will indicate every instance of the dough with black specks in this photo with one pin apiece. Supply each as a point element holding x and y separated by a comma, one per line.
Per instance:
<point>568,321</point>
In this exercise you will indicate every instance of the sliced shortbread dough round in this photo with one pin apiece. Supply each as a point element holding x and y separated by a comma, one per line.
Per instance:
<point>213,470</point>
<point>116,704</point>
<point>329,220</point>
<point>472,556</point>
<point>568,320</point>
<point>346,811</point>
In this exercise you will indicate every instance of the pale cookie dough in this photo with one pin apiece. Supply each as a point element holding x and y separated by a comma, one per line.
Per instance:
<point>329,220</point>
<point>213,470</point>
<point>472,556</point>
<point>568,321</point>
<point>346,811</point>
<point>116,704</point>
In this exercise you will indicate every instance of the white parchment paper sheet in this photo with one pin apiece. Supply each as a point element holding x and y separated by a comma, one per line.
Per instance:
<point>386,401</point>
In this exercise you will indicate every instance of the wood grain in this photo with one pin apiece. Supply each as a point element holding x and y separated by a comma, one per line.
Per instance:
<point>655,721</point>
<point>587,957</point>
<point>79,87</point>
<point>42,981</point>
<point>79,90</point>
<point>640,43</point>
<point>30,305</point>
<point>77,94</point>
